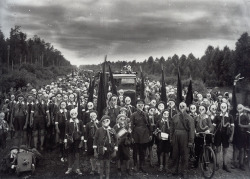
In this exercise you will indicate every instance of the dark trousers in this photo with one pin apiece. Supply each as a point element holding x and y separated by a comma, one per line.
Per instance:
<point>73,155</point>
<point>3,137</point>
<point>180,151</point>
<point>139,149</point>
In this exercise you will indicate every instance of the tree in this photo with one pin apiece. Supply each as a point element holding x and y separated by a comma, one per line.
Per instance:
<point>242,56</point>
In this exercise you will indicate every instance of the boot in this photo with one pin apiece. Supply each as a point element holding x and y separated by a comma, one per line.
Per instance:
<point>242,167</point>
<point>226,168</point>
<point>119,172</point>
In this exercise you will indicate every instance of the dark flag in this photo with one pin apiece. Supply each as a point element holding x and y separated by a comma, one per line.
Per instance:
<point>142,88</point>
<point>189,97</point>
<point>79,109</point>
<point>179,90</point>
<point>101,101</point>
<point>113,87</point>
<point>163,87</point>
<point>91,90</point>
<point>90,83</point>
<point>105,80</point>
<point>234,102</point>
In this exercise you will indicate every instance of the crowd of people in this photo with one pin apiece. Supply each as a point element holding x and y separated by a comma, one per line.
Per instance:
<point>61,115</point>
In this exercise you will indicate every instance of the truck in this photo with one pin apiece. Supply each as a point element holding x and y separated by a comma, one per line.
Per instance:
<point>128,83</point>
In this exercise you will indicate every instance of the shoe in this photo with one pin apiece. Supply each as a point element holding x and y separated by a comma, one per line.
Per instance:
<point>142,170</point>
<point>185,176</point>
<point>234,166</point>
<point>217,167</point>
<point>119,172</point>
<point>175,174</point>
<point>92,172</point>
<point>242,168</point>
<point>129,172</point>
<point>68,171</point>
<point>167,170</point>
<point>135,168</point>
<point>62,159</point>
<point>161,168</point>
<point>226,168</point>
<point>78,172</point>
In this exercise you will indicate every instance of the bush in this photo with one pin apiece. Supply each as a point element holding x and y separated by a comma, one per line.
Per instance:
<point>30,73</point>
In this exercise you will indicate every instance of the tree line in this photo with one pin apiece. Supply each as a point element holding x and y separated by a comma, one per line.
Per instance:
<point>217,67</point>
<point>17,49</point>
<point>30,60</point>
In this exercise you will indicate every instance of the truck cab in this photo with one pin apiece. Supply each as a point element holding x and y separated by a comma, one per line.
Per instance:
<point>127,82</point>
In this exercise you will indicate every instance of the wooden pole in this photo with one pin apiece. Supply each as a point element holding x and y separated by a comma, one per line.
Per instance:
<point>42,60</point>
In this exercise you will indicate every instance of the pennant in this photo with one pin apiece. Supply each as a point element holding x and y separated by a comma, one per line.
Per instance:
<point>179,90</point>
<point>105,80</point>
<point>163,87</point>
<point>101,101</point>
<point>113,88</point>
<point>91,90</point>
<point>234,102</point>
<point>189,97</point>
<point>142,88</point>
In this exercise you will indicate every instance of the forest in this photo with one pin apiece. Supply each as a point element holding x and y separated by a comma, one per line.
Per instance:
<point>216,68</point>
<point>35,61</point>
<point>32,60</point>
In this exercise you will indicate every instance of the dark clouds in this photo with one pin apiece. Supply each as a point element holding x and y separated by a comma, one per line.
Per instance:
<point>86,30</point>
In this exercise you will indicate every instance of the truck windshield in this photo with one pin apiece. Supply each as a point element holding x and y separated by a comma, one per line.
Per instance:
<point>128,81</point>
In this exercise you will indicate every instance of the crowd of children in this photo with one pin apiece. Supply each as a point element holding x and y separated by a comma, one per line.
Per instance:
<point>60,114</point>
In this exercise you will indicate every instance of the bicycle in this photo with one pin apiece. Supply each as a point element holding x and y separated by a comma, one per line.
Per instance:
<point>207,160</point>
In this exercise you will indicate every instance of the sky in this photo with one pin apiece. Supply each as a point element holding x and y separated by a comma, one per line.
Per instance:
<point>87,30</point>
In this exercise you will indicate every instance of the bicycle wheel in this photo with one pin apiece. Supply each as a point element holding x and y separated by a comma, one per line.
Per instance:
<point>207,162</point>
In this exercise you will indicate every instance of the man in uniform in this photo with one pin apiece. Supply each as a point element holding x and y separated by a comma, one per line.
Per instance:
<point>181,137</point>
<point>19,120</point>
<point>141,133</point>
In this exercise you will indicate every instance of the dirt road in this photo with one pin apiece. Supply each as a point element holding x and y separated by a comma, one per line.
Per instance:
<point>51,167</point>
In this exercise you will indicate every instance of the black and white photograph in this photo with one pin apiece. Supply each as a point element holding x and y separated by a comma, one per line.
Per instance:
<point>125,89</point>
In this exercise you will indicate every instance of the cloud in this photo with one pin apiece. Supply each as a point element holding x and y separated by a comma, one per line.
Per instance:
<point>84,31</point>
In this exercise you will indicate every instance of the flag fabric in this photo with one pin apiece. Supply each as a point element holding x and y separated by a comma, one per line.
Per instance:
<point>142,88</point>
<point>234,102</point>
<point>189,97</point>
<point>90,83</point>
<point>105,80</point>
<point>179,90</point>
<point>79,105</point>
<point>113,87</point>
<point>91,90</point>
<point>163,88</point>
<point>101,101</point>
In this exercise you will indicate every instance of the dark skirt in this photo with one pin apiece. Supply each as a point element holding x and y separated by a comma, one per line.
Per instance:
<point>164,146</point>
<point>123,153</point>
<point>90,150</point>
<point>19,123</point>
<point>61,127</point>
